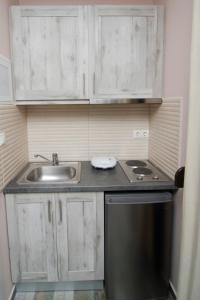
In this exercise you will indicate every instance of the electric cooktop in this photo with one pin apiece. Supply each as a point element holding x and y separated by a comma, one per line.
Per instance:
<point>142,170</point>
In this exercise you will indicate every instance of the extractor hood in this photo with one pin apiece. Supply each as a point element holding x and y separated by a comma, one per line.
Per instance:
<point>127,101</point>
<point>93,101</point>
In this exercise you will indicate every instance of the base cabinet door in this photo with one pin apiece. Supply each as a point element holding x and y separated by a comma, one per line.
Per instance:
<point>32,244</point>
<point>80,236</point>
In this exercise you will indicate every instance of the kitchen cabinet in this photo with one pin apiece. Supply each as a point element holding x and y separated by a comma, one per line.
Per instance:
<point>49,52</point>
<point>128,43</point>
<point>80,236</point>
<point>32,237</point>
<point>56,237</point>
<point>87,52</point>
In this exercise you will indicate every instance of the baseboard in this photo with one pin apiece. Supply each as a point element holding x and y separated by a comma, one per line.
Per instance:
<point>172,290</point>
<point>59,286</point>
<point>12,294</point>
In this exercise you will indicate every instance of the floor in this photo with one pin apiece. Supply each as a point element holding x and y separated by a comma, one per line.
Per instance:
<point>77,295</point>
<point>70,295</point>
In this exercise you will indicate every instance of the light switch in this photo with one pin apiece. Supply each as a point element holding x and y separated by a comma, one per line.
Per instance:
<point>2,138</point>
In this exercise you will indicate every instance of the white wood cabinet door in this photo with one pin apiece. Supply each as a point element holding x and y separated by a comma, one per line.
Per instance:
<point>128,43</point>
<point>49,51</point>
<point>80,236</point>
<point>32,242</point>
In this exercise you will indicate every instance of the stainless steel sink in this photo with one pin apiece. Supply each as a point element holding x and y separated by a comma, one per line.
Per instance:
<point>66,172</point>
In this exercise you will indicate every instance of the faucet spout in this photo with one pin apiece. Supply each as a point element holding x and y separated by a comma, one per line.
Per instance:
<point>38,155</point>
<point>54,161</point>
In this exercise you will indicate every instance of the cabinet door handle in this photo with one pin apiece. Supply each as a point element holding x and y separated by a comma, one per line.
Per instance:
<point>60,210</point>
<point>94,83</point>
<point>84,84</point>
<point>49,211</point>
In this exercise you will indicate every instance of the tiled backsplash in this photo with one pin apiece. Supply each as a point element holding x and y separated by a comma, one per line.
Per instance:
<point>13,154</point>
<point>165,134</point>
<point>80,132</point>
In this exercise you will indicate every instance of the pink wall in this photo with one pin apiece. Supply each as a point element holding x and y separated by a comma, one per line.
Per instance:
<point>178,30</point>
<point>177,53</point>
<point>5,278</point>
<point>177,46</point>
<point>4,26</point>
<point>4,33</point>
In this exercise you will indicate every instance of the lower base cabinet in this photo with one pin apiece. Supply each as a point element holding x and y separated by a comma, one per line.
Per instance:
<point>56,237</point>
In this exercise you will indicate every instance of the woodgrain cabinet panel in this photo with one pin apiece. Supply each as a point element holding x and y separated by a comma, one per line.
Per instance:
<point>87,52</point>
<point>49,52</point>
<point>56,237</point>
<point>80,236</point>
<point>128,47</point>
<point>32,237</point>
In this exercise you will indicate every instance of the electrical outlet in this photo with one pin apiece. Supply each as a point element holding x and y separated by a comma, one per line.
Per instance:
<point>137,134</point>
<point>145,133</point>
<point>2,138</point>
<point>140,133</point>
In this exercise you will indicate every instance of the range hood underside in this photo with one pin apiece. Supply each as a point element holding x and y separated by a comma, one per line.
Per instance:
<point>93,101</point>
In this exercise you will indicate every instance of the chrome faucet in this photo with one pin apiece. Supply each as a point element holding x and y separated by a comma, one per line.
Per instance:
<point>54,161</point>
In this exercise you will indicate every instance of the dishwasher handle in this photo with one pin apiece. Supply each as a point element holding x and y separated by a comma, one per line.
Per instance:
<point>138,198</point>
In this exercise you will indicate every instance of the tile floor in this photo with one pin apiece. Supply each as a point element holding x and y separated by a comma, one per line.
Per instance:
<point>71,295</point>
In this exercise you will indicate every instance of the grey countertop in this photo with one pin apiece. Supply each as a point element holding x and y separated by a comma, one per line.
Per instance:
<point>92,180</point>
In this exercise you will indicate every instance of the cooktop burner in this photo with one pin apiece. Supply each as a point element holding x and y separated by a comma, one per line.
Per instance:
<point>142,170</point>
<point>136,163</point>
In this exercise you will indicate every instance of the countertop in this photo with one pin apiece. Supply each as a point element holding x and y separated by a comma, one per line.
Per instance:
<point>92,180</point>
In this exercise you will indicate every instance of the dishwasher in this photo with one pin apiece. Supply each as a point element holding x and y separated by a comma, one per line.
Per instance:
<point>138,229</point>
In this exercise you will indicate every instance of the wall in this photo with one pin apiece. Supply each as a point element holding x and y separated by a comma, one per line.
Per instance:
<point>80,132</point>
<point>189,287</point>
<point>178,28</point>
<point>4,45</point>
<point>13,154</point>
<point>165,134</point>
<point>5,279</point>
<point>176,83</point>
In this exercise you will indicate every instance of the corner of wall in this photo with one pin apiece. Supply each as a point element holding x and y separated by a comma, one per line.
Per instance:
<point>165,134</point>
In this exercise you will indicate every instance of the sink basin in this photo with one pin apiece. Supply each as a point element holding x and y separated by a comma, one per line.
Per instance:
<point>63,173</point>
<point>43,174</point>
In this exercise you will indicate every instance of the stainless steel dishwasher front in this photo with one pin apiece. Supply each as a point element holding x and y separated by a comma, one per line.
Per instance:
<point>137,245</point>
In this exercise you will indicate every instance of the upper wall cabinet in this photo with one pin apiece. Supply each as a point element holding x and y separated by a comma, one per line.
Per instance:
<point>87,52</point>
<point>49,47</point>
<point>128,47</point>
